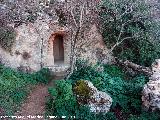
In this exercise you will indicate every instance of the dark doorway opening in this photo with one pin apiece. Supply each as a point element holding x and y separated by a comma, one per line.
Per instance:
<point>58,49</point>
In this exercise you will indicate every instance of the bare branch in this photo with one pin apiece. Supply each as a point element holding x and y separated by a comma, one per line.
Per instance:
<point>127,11</point>
<point>81,16</point>
<point>73,17</point>
<point>121,42</point>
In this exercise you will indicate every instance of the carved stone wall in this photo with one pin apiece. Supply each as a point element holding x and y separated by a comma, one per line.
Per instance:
<point>33,48</point>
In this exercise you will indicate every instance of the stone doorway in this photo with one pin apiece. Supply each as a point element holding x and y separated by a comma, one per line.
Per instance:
<point>58,49</point>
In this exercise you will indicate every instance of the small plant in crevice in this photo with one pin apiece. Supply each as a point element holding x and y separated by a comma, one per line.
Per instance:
<point>26,55</point>
<point>32,17</point>
<point>52,1</point>
<point>82,90</point>
<point>17,52</point>
<point>61,17</point>
<point>25,69</point>
<point>7,37</point>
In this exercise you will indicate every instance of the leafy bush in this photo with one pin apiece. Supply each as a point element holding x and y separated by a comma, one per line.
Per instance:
<point>65,102</point>
<point>42,76</point>
<point>18,95</point>
<point>114,71</point>
<point>111,82</point>
<point>128,25</point>
<point>15,86</point>
<point>7,37</point>
<point>85,71</point>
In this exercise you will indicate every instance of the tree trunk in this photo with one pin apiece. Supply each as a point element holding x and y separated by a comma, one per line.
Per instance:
<point>135,67</point>
<point>73,54</point>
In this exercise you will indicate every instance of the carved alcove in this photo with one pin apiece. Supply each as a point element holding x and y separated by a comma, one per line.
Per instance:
<point>57,54</point>
<point>58,49</point>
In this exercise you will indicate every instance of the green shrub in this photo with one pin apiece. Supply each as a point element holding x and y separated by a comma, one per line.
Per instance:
<point>114,71</point>
<point>15,86</point>
<point>7,37</point>
<point>19,95</point>
<point>52,91</point>
<point>85,71</point>
<point>65,102</point>
<point>42,76</point>
<point>126,94</point>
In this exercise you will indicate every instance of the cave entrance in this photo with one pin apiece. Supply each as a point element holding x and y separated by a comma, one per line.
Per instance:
<point>58,49</point>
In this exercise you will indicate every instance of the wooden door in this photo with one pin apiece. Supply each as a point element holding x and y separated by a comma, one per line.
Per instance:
<point>58,49</point>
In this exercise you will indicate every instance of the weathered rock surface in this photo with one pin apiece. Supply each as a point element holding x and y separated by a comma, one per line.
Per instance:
<point>37,26</point>
<point>37,38</point>
<point>99,102</point>
<point>151,91</point>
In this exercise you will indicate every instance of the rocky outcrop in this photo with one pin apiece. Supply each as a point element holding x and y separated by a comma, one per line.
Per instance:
<point>98,101</point>
<point>151,91</point>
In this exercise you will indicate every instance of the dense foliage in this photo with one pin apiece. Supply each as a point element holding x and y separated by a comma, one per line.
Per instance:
<point>14,87</point>
<point>64,98</point>
<point>126,94</point>
<point>128,25</point>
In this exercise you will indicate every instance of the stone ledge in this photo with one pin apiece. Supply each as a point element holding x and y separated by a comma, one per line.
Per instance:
<point>58,70</point>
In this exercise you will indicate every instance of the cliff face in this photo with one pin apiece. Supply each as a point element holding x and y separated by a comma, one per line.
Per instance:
<point>37,40</point>
<point>37,27</point>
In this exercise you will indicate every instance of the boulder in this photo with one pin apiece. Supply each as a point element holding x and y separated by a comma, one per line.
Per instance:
<point>98,101</point>
<point>151,91</point>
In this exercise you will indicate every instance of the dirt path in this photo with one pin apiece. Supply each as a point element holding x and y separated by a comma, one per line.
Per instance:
<point>34,106</point>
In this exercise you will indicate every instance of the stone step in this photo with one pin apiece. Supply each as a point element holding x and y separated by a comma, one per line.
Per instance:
<point>64,73</point>
<point>58,70</point>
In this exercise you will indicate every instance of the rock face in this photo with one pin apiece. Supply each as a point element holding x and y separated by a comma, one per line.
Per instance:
<point>45,41</point>
<point>99,102</point>
<point>37,40</point>
<point>151,91</point>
